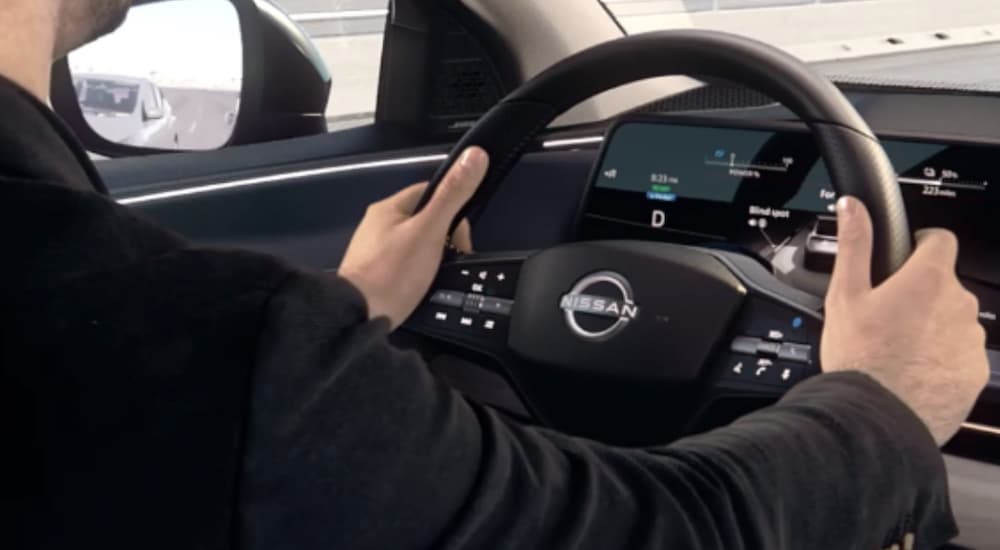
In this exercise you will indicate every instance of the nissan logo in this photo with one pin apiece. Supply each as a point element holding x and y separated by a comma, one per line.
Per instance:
<point>599,306</point>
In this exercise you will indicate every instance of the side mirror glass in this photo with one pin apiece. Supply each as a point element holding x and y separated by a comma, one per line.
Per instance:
<point>170,77</point>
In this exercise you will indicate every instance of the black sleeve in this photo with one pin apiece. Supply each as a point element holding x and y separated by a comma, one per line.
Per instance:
<point>355,445</point>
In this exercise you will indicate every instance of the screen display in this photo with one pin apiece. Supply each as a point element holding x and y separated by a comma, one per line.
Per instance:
<point>767,192</point>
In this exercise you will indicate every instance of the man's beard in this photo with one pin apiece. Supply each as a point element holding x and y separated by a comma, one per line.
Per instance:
<point>81,21</point>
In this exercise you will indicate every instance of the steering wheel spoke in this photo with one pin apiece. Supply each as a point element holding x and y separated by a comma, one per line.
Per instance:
<point>471,303</point>
<point>771,347</point>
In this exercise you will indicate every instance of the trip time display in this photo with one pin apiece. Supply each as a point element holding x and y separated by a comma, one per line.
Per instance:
<point>767,192</point>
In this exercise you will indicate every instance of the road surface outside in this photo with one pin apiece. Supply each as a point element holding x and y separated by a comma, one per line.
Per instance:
<point>201,119</point>
<point>348,35</point>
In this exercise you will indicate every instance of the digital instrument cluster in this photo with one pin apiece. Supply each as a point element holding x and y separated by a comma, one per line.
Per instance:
<point>763,188</point>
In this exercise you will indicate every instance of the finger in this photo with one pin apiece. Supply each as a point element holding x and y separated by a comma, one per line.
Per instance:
<point>852,272</point>
<point>937,247</point>
<point>457,187</point>
<point>405,201</point>
<point>462,238</point>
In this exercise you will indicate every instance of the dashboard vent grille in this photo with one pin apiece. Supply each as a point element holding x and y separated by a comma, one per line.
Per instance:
<point>708,97</point>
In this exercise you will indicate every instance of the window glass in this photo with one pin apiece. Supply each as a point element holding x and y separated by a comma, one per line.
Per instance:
<point>348,34</point>
<point>927,43</point>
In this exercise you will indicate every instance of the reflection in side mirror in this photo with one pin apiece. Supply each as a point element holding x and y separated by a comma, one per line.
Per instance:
<point>169,78</point>
<point>151,113</point>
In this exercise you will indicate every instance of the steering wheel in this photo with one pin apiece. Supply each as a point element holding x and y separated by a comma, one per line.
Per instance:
<point>571,323</point>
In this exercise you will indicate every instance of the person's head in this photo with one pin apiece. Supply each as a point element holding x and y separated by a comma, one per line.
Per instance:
<point>34,33</point>
<point>80,21</point>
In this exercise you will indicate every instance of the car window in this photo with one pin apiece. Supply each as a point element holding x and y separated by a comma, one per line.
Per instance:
<point>923,43</point>
<point>108,96</point>
<point>348,34</point>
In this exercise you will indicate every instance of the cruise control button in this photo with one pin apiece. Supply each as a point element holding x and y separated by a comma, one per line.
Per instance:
<point>449,298</point>
<point>800,353</point>
<point>497,306</point>
<point>770,349</point>
<point>738,368</point>
<point>745,344</point>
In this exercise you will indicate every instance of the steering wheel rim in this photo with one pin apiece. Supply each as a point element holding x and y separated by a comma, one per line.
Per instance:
<point>857,162</point>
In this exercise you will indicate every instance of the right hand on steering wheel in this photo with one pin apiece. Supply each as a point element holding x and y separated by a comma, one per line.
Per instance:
<point>917,333</point>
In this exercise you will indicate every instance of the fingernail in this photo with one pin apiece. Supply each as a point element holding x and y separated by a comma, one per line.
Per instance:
<point>845,209</point>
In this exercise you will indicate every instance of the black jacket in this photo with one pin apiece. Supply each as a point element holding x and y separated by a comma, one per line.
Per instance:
<point>157,395</point>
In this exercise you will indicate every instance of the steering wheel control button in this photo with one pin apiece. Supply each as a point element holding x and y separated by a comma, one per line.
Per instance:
<point>492,327</point>
<point>448,298</point>
<point>745,344</point>
<point>769,349</point>
<point>738,368</point>
<point>496,306</point>
<point>775,322</point>
<point>799,353</point>
<point>472,303</point>
<point>495,279</point>
<point>758,374</point>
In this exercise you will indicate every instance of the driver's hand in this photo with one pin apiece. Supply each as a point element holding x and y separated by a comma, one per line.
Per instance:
<point>917,333</point>
<point>394,255</point>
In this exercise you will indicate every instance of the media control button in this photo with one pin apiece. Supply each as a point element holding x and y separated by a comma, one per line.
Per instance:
<point>497,306</point>
<point>448,298</point>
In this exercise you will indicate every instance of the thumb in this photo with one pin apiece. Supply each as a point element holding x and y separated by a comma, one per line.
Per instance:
<point>852,273</point>
<point>457,187</point>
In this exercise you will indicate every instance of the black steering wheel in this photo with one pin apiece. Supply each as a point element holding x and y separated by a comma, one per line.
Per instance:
<point>646,315</point>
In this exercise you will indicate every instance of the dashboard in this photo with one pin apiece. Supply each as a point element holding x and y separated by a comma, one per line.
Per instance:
<point>761,187</point>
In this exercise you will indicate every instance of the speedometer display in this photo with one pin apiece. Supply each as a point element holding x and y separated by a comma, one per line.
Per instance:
<point>765,190</point>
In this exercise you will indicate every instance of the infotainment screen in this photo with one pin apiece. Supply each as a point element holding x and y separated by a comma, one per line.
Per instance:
<point>765,190</point>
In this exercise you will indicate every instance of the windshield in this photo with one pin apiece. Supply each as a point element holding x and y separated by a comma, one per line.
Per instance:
<point>935,43</point>
<point>108,96</point>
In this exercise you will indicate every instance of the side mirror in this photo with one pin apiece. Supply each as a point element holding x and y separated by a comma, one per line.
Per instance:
<point>151,113</point>
<point>193,75</point>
